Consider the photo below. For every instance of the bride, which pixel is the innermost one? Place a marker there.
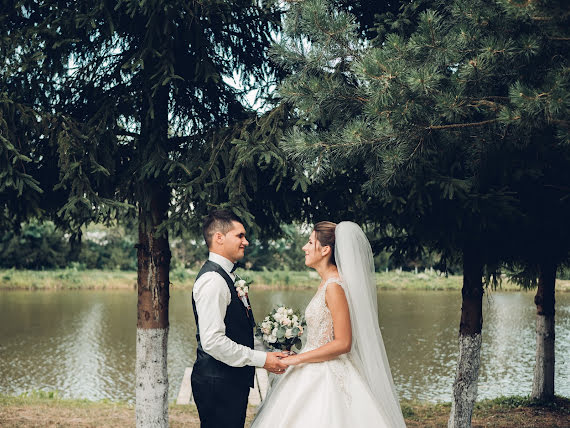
(341, 377)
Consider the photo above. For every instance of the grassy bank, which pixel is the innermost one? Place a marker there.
(66, 279)
(70, 279)
(504, 412)
(41, 410)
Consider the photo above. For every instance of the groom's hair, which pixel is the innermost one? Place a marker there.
(218, 221)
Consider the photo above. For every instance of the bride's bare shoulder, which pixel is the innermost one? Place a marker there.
(334, 292)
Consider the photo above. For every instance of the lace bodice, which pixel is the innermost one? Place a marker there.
(320, 331)
(319, 320)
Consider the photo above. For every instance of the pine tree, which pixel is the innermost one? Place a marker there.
(541, 180)
(435, 122)
(540, 97)
(120, 110)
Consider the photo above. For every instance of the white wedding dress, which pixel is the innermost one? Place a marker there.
(331, 394)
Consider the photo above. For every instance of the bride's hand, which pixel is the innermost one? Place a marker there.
(291, 360)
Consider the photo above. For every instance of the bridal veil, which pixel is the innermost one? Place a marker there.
(355, 263)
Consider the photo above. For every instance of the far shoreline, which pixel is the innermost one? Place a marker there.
(183, 279)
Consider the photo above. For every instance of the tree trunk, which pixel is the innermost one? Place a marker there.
(467, 374)
(74, 246)
(543, 381)
(153, 253)
(152, 315)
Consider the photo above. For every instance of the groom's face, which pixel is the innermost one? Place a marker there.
(235, 242)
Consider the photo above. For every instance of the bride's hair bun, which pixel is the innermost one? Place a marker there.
(324, 230)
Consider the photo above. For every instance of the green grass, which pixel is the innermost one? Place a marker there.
(66, 279)
(514, 411)
(53, 397)
(73, 279)
(561, 404)
(43, 409)
(48, 409)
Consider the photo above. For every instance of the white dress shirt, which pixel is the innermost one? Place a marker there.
(212, 297)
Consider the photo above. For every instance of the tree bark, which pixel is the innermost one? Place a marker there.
(152, 316)
(469, 360)
(543, 381)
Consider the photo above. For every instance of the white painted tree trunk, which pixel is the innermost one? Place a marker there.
(543, 382)
(151, 378)
(465, 385)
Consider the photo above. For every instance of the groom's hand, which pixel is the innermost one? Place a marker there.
(273, 362)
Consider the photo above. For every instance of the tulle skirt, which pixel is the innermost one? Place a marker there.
(330, 394)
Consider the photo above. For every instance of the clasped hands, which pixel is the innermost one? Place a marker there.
(277, 362)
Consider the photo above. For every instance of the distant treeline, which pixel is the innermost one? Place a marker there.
(40, 246)
(44, 246)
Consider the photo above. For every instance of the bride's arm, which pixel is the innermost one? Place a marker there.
(342, 342)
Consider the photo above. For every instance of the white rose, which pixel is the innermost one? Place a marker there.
(272, 339)
(265, 337)
(277, 317)
(289, 333)
(266, 330)
(290, 312)
(240, 283)
(286, 321)
(274, 332)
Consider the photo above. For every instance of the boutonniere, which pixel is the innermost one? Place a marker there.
(241, 288)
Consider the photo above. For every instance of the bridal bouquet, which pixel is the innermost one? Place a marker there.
(281, 329)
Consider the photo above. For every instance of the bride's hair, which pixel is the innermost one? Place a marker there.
(324, 230)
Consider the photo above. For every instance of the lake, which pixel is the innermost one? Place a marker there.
(82, 343)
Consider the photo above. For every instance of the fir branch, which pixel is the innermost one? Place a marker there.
(125, 133)
(564, 123)
(462, 125)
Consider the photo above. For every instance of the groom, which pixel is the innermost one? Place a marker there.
(225, 363)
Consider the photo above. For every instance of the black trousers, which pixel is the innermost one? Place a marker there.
(220, 403)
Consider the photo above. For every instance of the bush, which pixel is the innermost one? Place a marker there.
(36, 246)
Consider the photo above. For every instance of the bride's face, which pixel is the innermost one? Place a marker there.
(312, 251)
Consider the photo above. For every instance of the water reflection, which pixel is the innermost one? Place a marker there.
(419, 331)
(83, 343)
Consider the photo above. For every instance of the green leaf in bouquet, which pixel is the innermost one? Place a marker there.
(280, 333)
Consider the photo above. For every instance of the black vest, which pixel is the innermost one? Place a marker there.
(239, 328)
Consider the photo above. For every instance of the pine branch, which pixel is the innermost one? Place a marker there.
(462, 125)
(125, 133)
